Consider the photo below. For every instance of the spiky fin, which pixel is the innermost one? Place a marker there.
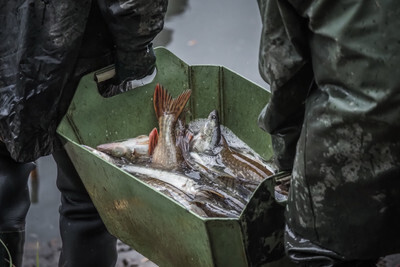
(165, 104)
(153, 140)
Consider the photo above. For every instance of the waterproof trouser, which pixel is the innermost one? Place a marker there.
(14, 205)
(306, 253)
(85, 239)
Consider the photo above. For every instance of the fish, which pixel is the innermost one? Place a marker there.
(166, 153)
(176, 194)
(209, 136)
(104, 156)
(208, 197)
(217, 177)
(209, 151)
(242, 166)
(178, 180)
(202, 138)
(214, 205)
(153, 139)
(131, 149)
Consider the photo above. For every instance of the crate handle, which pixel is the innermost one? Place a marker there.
(104, 74)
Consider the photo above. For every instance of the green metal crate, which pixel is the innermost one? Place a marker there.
(148, 221)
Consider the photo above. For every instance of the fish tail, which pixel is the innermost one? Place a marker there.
(165, 104)
(153, 140)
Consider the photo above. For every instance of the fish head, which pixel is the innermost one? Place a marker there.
(212, 129)
(101, 154)
(130, 148)
(115, 149)
(209, 135)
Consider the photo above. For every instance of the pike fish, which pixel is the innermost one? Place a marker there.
(166, 154)
(178, 180)
(208, 137)
(193, 195)
(131, 149)
(202, 199)
(214, 205)
(241, 165)
(176, 194)
(209, 150)
(106, 157)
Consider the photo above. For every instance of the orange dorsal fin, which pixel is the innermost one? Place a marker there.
(153, 140)
(165, 104)
(160, 98)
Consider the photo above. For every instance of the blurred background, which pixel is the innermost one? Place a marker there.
(223, 32)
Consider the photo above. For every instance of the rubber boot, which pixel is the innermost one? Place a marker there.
(14, 247)
(14, 205)
(85, 239)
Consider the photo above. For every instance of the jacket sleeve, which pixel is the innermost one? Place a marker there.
(285, 65)
(134, 24)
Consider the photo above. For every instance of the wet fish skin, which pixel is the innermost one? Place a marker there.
(241, 189)
(209, 151)
(176, 194)
(166, 153)
(216, 206)
(105, 156)
(204, 156)
(212, 177)
(241, 165)
(216, 176)
(130, 149)
(209, 135)
(180, 181)
(189, 187)
(229, 201)
(209, 140)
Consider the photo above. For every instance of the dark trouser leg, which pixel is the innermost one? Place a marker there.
(86, 241)
(14, 205)
(305, 253)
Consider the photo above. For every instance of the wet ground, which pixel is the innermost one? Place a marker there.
(223, 32)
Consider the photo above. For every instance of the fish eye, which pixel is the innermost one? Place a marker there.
(213, 117)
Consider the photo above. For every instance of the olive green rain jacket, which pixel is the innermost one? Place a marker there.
(334, 116)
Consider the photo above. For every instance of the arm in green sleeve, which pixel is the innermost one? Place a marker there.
(284, 64)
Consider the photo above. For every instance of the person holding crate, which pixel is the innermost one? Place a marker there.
(334, 118)
(46, 47)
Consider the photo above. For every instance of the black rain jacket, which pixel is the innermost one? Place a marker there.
(47, 45)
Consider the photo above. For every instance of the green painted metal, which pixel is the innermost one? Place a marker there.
(153, 224)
